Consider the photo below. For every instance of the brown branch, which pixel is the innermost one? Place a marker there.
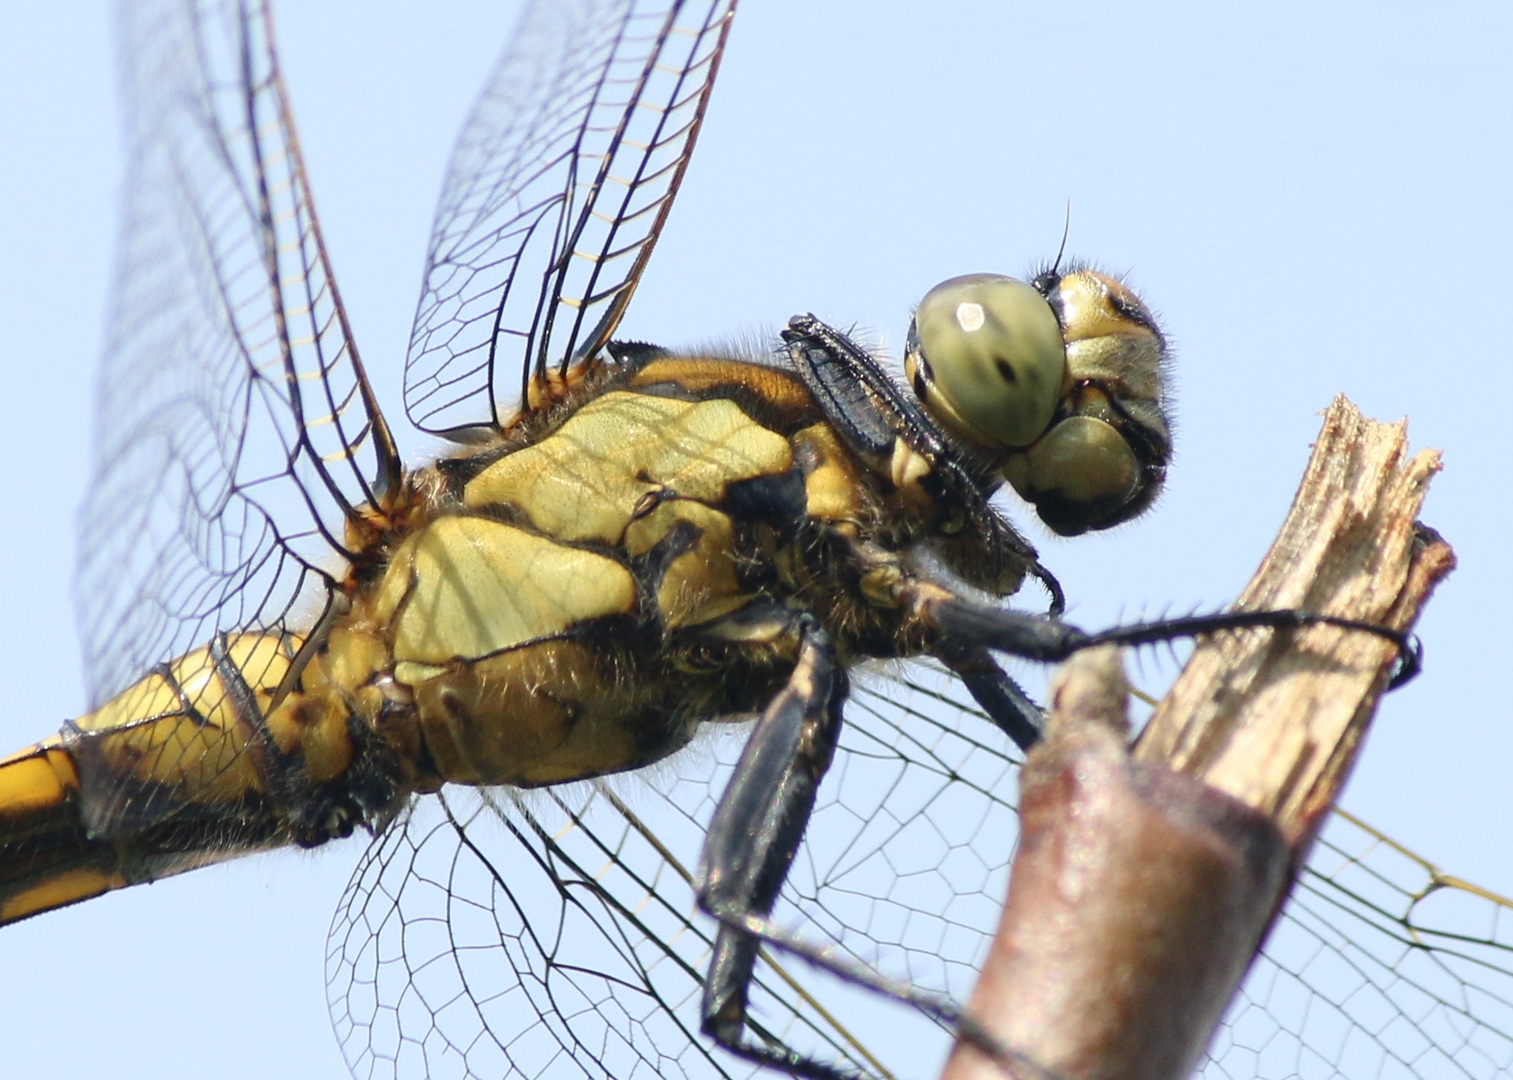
(1275, 719)
(1145, 880)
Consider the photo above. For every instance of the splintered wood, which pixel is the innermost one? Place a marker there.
(1145, 879)
(1274, 718)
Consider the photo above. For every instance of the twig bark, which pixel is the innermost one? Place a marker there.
(1275, 719)
(1145, 880)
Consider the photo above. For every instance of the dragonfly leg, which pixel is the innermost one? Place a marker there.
(1005, 702)
(758, 826)
(938, 1007)
(756, 831)
(965, 624)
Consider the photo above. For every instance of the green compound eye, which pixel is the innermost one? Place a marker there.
(986, 357)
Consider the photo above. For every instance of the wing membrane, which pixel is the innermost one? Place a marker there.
(556, 191)
(1382, 966)
(550, 935)
(235, 426)
(520, 938)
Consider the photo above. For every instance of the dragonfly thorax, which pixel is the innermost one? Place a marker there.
(591, 590)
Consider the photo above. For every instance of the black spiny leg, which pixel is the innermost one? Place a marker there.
(756, 831)
(1007, 705)
(966, 624)
(763, 814)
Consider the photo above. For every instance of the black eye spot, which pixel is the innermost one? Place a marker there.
(1006, 371)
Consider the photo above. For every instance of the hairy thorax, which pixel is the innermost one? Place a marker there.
(580, 597)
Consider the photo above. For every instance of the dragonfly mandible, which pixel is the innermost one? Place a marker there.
(541, 809)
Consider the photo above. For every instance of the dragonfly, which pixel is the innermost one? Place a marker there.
(427, 868)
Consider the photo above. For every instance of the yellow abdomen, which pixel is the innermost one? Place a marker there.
(188, 766)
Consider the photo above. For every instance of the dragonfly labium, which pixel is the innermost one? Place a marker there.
(290, 637)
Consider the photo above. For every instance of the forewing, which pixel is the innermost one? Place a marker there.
(1380, 965)
(234, 429)
(554, 936)
(556, 191)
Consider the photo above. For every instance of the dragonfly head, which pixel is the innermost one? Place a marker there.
(1059, 382)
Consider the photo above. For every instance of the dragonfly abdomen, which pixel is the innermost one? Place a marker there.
(46, 858)
(194, 764)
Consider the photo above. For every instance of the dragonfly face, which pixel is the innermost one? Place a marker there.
(1060, 383)
(389, 645)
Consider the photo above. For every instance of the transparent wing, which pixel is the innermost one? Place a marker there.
(557, 189)
(520, 938)
(235, 428)
(554, 935)
(1383, 966)
(472, 942)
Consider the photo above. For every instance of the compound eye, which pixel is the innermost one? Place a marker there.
(985, 356)
(1079, 477)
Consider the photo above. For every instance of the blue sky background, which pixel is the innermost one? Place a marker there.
(1316, 197)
